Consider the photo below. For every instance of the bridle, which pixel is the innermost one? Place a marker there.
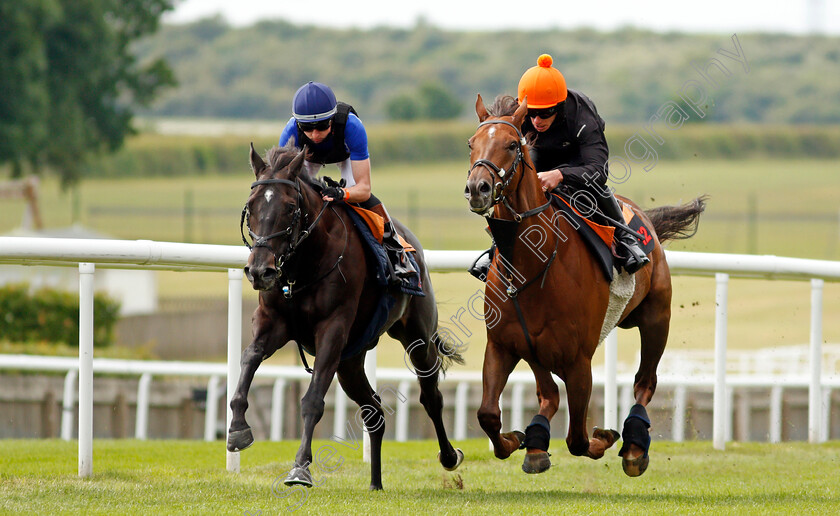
(505, 176)
(293, 231)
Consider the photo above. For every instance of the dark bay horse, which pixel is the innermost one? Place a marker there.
(552, 315)
(310, 266)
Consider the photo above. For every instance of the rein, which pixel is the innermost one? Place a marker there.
(506, 175)
(294, 227)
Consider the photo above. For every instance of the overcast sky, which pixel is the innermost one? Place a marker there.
(723, 16)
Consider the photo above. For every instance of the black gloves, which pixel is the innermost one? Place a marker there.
(336, 192)
(334, 189)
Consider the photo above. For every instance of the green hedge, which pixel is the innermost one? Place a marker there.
(53, 316)
(158, 155)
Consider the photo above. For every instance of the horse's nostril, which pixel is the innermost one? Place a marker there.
(248, 273)
(484, 188)
(467, 191)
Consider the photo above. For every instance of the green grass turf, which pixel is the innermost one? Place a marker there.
(177, 477)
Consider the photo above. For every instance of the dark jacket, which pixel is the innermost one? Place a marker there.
(575, 143)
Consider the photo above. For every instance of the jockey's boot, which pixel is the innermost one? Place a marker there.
(400, 263)
(401, 267)
(481, 266)
(634, 257)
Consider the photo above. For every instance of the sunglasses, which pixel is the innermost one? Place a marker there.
(322, 125)
(543, 113)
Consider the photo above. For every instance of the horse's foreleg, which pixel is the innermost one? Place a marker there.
(239, 434)
(498, 364)
(351, 376)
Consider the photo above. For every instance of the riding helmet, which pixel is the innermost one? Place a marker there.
(313, 102)
(543, 84)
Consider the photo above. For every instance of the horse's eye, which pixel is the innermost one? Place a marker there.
(512, 146)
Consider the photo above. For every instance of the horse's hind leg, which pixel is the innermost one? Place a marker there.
(498, 364)
(351, 376)
(424, 357)
(653, 329)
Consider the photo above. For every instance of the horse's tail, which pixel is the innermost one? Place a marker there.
(447, 352)
(677, 222)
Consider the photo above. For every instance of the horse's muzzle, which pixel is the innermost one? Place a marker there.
(261, 278)
(479, 194)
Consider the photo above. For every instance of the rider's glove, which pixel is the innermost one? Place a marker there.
(336, 192)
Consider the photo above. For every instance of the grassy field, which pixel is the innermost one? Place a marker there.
(178, 477)
(794, 201)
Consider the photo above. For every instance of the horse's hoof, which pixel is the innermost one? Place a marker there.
(238, 440)
(459, 458)
(375, 488)
(536, 462)
(635, 467)
(606, 435)
(299, 476)
(519, 436)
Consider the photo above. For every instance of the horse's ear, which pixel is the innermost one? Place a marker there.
(480, 110)
(521, 112)
(257, 163)
(296, 165)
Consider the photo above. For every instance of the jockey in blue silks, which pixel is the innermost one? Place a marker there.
(334, 134)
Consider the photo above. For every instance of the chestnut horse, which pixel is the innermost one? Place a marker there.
(553, 317)
(311, 268)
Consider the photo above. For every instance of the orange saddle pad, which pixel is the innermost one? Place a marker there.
(376, 224)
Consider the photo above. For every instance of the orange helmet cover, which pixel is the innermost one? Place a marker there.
(543, 84)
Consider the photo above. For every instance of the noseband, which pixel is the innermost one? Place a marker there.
(506, 175)
(293, 229)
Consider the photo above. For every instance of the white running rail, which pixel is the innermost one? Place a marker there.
(87, 254)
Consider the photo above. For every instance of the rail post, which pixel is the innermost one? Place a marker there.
(86, 271)
(370, 372)
(815, 405)
(233, 354)
(141, 423)
(211, 409)
(68, 405)
(720, 417)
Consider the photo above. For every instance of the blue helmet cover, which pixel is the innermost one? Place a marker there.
(313, 102)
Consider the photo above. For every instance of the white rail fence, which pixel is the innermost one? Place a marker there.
(87, 254)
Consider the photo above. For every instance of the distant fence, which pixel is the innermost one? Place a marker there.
(88, 254)
(674, 388)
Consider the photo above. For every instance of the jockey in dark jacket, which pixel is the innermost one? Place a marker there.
(569, 151)
(334, 134)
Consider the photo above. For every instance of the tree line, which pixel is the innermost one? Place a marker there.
(73, 74)
(390, 73)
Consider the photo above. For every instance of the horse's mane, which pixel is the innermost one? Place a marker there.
(503, 105)
(279, 158)
(506, 105)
